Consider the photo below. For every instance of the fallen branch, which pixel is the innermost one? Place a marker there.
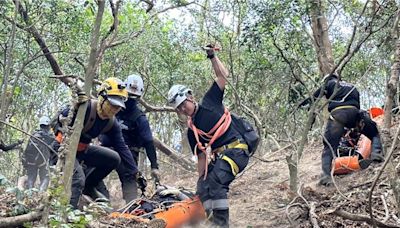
(313, 216)
(387, 215)
(19, 220)
(387, 159)
(361, 218)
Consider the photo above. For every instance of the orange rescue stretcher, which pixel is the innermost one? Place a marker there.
(188, 211)
(347, 164)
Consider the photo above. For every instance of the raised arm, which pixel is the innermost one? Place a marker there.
(220, 71)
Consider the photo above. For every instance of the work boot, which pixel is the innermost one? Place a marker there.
(325, 180)
(376, 150)
(129, 190)
(44, 184)
(220, 218)
(95, 195)
(364, 163)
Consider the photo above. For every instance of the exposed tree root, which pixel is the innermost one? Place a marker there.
(21, 219)
(362, 218)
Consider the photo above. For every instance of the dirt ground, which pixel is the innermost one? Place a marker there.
(260, 196)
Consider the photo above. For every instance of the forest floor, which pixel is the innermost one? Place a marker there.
(260, 196)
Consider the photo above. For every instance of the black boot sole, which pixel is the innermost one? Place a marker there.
(364, 163)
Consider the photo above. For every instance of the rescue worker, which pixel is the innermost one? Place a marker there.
(38, 156)
(100, 118)
(137, 135)
(344, 108)
(211, 134)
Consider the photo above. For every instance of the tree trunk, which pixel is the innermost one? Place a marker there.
(391, 90)
(78, 124)
(174, 155)
(323, 49)
(322, 44)
(5, 95)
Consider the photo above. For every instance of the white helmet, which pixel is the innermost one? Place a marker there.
(44, 120)
(134, 85)
(178, 94)
(330, 76)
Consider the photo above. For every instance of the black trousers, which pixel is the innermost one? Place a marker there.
(213, 191)
(127, 178)
(346, 117)
(32, 172)
(102, 159)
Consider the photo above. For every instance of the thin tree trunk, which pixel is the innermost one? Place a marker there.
(323, 48)
(173, 155)
(391, 90)
(6, 96)
(79, 119)
(322, 44)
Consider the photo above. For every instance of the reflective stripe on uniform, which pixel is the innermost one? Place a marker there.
(338, 108)
(234, 166)
(208, 204)
(220, 204)
(343, 107)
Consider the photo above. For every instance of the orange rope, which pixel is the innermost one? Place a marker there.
(217, 131)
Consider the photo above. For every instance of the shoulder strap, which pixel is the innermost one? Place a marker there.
(92, 116)
(109, 125)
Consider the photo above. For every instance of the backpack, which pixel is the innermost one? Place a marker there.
(37, 153)
(247, 131)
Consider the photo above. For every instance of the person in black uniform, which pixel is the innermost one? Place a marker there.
(228, 152)
(101, 160)
(344, 108)
(137, 135)
(38, 156)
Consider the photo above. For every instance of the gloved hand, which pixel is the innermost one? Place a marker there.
(82, 97)
(170, 191)
(142, 182)
(210, 50)
(305, 104)
(155, 173)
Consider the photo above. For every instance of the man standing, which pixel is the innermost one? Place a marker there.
(220, 148)
(39, 155)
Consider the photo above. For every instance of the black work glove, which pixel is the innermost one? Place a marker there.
(141, 180)
(305, 104)
(82, 97)
(210, 51)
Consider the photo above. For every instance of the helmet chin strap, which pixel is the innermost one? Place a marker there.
(101, 109)
(196, 107)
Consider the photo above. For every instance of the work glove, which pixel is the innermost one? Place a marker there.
(305, 104)
(210, 51)
(155, 173)
(82, 97)
(141, 180)
(170, 191)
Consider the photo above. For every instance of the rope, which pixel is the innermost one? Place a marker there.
(217, 131)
